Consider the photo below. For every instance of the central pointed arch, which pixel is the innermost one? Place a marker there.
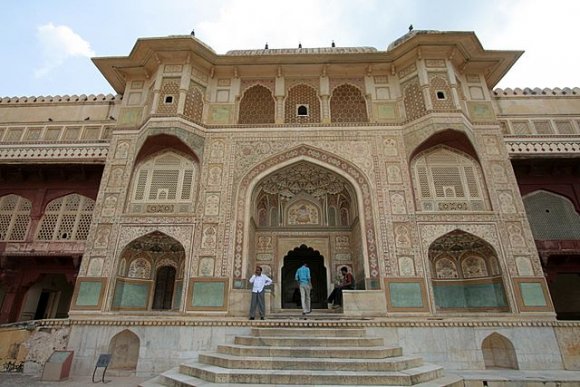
(344, 168)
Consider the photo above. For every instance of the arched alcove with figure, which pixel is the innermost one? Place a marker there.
(124, 348)
(499, 352)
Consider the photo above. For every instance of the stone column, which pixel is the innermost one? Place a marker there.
(453, 84)
(156, 87)
(424, 84)
(325, 99)
(183, 88)
(279, 94)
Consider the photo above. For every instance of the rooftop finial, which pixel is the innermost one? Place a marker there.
(410, 27)
(266, 46)
(299, 45)
(192, 32)
(332, 44)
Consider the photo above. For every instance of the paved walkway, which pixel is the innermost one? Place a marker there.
(504, 377)
(19, 380)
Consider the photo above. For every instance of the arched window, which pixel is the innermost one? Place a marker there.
(14, 217)
(163, 181)
(348, 104)
(66, 218)
(302, 110)
(448, 180)
(257, 106)
(552, 216)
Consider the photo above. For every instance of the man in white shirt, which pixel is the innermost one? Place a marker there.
(259, 281)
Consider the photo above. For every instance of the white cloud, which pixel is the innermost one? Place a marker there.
(250, 24)
(546, 31)
(59, 43)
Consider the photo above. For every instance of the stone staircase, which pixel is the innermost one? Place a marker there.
(306, 356)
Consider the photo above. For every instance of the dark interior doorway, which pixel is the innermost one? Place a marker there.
(290, 292)
(42, 308)
(564, 284)
(164, 283)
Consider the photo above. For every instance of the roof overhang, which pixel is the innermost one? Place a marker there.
(463, 49)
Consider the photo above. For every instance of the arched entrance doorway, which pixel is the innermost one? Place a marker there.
(307, 204)
(315, 261)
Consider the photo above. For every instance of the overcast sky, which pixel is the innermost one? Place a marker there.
(47, 45)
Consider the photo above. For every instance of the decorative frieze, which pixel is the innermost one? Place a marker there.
(530, 145)
(77, 153)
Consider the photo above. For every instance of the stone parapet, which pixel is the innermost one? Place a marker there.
(237, 322)
(81, 153)
(517, 92)
(528, 145)
(61, 99)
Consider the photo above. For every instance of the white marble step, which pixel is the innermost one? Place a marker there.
(309, 332)
(303, 341)
(378, 352)
(426, 372)
(398, 363)
(173, 378)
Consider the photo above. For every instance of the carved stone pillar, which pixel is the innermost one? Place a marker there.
(325, 111)
(279, 119)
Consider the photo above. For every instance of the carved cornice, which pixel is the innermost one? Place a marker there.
(61, 99)
(517, 92)
(377, 323)
(43, 248)
(80, 153)
(536, 145)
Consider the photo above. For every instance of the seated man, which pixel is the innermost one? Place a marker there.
(347, 282)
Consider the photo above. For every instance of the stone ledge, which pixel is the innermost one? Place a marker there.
(367, 323)
(62, 99)
(84, 153)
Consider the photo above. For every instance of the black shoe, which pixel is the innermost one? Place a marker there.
(261, 318)
(310, 311)
(251, 318)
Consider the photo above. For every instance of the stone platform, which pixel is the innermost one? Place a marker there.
(306, 356)
(457, 344)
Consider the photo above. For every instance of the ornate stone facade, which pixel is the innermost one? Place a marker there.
(396, 164)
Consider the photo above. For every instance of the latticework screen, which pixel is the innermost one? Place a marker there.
(14, 217)
(447, 180)
(161, 182)
(302, 95)
(66, 218)
(552, 217)
(348, 104)
(257, 106)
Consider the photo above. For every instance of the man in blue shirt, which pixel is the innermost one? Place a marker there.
(305, 282)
